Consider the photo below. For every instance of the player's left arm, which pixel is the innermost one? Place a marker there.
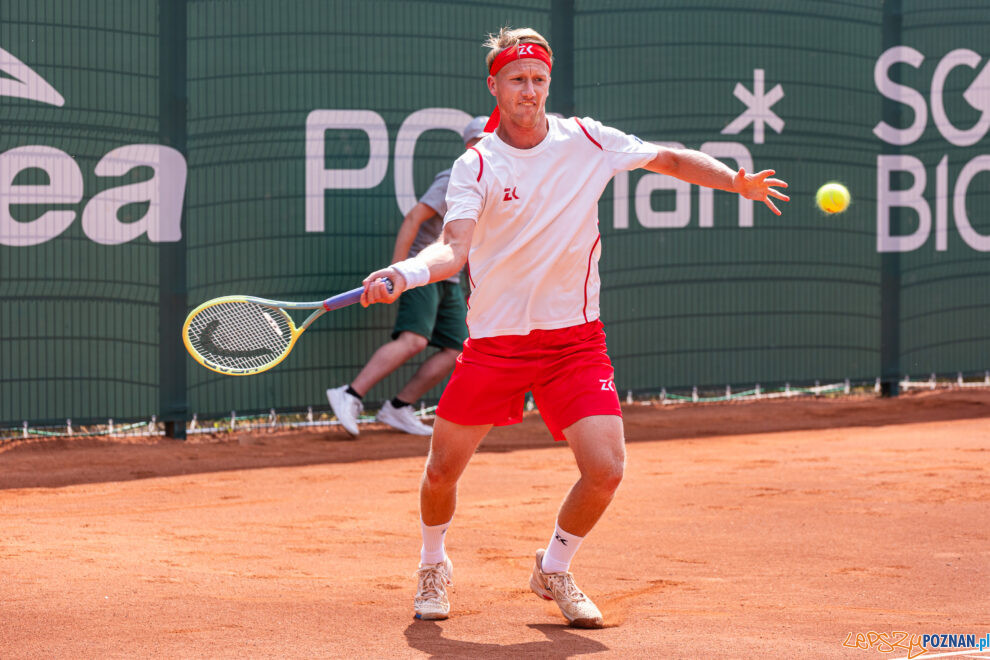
(701, 169)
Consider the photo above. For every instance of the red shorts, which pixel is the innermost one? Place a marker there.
(567, 370)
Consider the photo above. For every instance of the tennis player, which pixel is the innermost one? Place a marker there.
(522, 205)
(432, 315)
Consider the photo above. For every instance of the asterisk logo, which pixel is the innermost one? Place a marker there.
(758, 112)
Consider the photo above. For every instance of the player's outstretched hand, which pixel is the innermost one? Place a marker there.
(376, 291)
(760, 187)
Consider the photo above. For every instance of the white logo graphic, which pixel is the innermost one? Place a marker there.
(628, 206)
(101, 219)
(101, 223)
(525, 49)
(758, 112)
(25, 83)
(271, 322)
(947, 195)
(320, 178)
(977, 95)
(608, 385)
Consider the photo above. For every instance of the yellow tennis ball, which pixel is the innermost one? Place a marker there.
(833, 198)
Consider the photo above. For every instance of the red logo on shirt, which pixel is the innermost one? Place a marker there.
(510, 191)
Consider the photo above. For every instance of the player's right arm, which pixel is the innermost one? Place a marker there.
(445, 258)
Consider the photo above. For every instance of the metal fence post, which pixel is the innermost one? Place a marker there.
(890, 262)
(173, 404)
(562, 42)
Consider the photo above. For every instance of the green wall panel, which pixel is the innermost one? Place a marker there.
(80, 319)
(690, 296)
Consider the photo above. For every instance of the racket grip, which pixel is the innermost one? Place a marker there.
(351, 297)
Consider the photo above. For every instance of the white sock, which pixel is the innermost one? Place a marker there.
(560, 551)
(433, 551)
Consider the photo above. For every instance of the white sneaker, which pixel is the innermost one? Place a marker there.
(577, 608)
(403, 419)
(346, 407)
(431, 601)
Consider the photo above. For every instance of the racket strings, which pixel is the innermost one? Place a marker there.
(240, 335)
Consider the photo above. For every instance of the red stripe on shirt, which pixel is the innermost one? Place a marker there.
(481, 161)
(467, 299)
(470, 279)
(587, 134)
(587, 275)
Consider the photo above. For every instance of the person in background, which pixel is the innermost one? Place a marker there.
(428, 316)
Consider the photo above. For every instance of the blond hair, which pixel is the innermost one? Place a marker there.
(508, 37)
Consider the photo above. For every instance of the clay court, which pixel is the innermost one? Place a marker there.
(746, 530)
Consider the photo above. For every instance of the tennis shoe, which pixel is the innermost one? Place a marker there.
(431, 601)
(346, 407)
(403, 419)
(577, 608)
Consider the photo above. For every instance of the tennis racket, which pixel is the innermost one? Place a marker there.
(243, 335)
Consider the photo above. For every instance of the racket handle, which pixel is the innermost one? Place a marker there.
(351, 297)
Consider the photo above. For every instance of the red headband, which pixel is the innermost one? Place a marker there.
(517, 52)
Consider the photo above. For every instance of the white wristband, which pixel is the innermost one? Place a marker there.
(414, 270)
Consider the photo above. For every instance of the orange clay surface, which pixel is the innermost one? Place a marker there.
(770, 529)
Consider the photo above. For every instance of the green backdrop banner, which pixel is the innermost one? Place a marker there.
(157, 154)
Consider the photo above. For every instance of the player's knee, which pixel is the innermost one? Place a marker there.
(438, 475)
(412, 342)
(608, 471)
(613, 477)
(607, 476)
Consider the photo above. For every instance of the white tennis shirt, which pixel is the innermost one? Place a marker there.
(534, 254)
